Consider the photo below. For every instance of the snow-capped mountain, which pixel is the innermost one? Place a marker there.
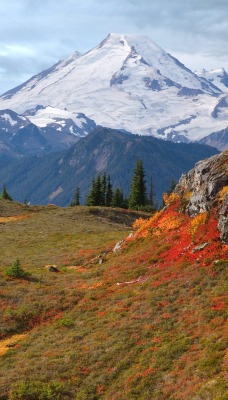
(41, 130)
(128, 82)
(11, 122)
(61, 120)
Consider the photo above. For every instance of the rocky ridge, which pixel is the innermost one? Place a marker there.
(205, 187)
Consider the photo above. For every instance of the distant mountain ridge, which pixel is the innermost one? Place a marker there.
(128, 82)
(53, 178)
(40, 130)
(217, 139)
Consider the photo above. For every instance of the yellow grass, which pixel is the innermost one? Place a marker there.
(6, 344)
(14, 218)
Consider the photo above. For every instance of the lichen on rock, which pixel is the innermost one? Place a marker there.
(223, 221)
(204, 182)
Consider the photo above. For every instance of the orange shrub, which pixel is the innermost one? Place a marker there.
(222, 194)
(196, 221)
(170, 222)
(170, 198)
(144, 225)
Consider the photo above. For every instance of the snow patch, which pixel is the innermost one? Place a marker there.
(8, 118)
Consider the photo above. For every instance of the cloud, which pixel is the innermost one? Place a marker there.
(37, 33)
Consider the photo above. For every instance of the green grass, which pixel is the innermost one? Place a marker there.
(54, 235)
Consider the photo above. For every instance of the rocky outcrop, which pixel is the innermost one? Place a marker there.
(201, 186)
(223, 221)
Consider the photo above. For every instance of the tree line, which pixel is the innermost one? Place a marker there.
(103, 194)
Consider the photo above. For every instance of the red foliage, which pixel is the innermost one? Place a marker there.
(166, 315)
(182, 235)
(156, 340)
(219, 303)
(100, 389)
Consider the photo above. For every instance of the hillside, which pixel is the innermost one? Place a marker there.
(53, 233)
(54, 178)
(146, 321)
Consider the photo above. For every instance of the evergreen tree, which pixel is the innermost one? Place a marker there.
(103, 190)
(90, 201)
(76, 198)
(109, 193)
(102, 194)
(118, 199)
(125, 203)
(16, 271)
(96, 195)
(99, 195)
(5, 195)
(138, 197)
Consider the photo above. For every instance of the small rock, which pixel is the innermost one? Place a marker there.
(117, 246)
(200, 247)
(52, 268)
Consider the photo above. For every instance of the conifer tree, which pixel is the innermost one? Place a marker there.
(99, 197)
(103, 190)
(16, 271)
(76, 198)
(118, 199)
(138, 197)
(5, 195)
(96, 194)
(109, 193)
(90, 201)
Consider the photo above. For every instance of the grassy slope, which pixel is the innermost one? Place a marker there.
(147, 323)
(44, 235)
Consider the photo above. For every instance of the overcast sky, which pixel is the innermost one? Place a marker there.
(35, 34)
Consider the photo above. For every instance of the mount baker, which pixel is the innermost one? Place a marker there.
(128, 82)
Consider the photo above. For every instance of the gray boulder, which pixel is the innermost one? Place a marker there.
(201, 186)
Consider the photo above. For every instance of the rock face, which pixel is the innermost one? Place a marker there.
(201, 187)
(223, 221)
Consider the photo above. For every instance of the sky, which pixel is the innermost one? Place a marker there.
(35, 34)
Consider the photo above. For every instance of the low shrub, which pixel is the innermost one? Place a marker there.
(38, 391)
(16, 271)
(66, 322)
